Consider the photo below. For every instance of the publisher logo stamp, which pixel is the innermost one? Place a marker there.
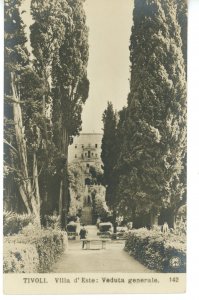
(175, 262)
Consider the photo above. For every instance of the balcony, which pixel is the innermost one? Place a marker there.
(91, 148)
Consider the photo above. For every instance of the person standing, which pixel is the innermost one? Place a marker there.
(83, 233)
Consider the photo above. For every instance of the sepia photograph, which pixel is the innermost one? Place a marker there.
(95, 146)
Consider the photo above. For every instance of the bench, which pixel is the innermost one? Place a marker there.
(88, 242)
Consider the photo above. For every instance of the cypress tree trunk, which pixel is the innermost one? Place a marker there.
(45, 188)
(64, 186)
(24, 182)
(36, 200)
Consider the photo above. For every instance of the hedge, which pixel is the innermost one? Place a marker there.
(157, 251)
(48, 245)
(20, 258)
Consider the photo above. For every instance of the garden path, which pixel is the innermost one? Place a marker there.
(111, 259)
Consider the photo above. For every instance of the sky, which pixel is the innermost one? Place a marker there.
(109, 23)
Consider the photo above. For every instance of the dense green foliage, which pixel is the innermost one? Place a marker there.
(70, 90)
(16, 54)
(20, 258)
(144, 145)
(151, 162)
(44, 94)
(96, 173)
(13, 223)
(100, 208)
(14, 61)
(109, 155)
(49, 244)
(155, 249)
(109, 147)
(46, 36)
(99, 205)
(182, 13)
(52, 221)
(69, 75)
(21, 133)
(76, 175)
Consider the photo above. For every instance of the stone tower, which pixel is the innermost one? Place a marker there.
(86, 149)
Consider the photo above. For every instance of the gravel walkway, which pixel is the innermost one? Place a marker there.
(111, 259)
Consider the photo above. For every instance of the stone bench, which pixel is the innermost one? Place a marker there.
(88, 242)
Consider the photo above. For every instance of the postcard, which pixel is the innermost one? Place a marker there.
(95, 146)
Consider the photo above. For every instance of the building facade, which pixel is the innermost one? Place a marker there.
(86, 149)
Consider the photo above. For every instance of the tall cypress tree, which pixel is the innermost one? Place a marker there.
(15, 59)
(51, 20)
(21, 141)
(151, 160)
(109, 156)
(70, 91)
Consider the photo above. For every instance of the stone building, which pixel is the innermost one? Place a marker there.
(86, 149)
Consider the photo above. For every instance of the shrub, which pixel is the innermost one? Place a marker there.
(52, 221)
(49, 244)
(20, 258)
(175, 249)
(104, 227)
(71, 227)
(13, 223)
(105, 230)
(163, 253)
(99, 205)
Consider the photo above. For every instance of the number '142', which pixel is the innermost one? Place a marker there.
(174, 279)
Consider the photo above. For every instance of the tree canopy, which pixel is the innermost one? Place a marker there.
(44, 95)
(109, 153)
(151, 161)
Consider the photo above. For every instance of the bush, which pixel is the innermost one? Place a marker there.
(163, 253)
(105, 230)
(174, 249)
(104, 227)
(52, 221)
(20, 258)
(49, 244)
(71, 227)
(100, 208)
(13, 223)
